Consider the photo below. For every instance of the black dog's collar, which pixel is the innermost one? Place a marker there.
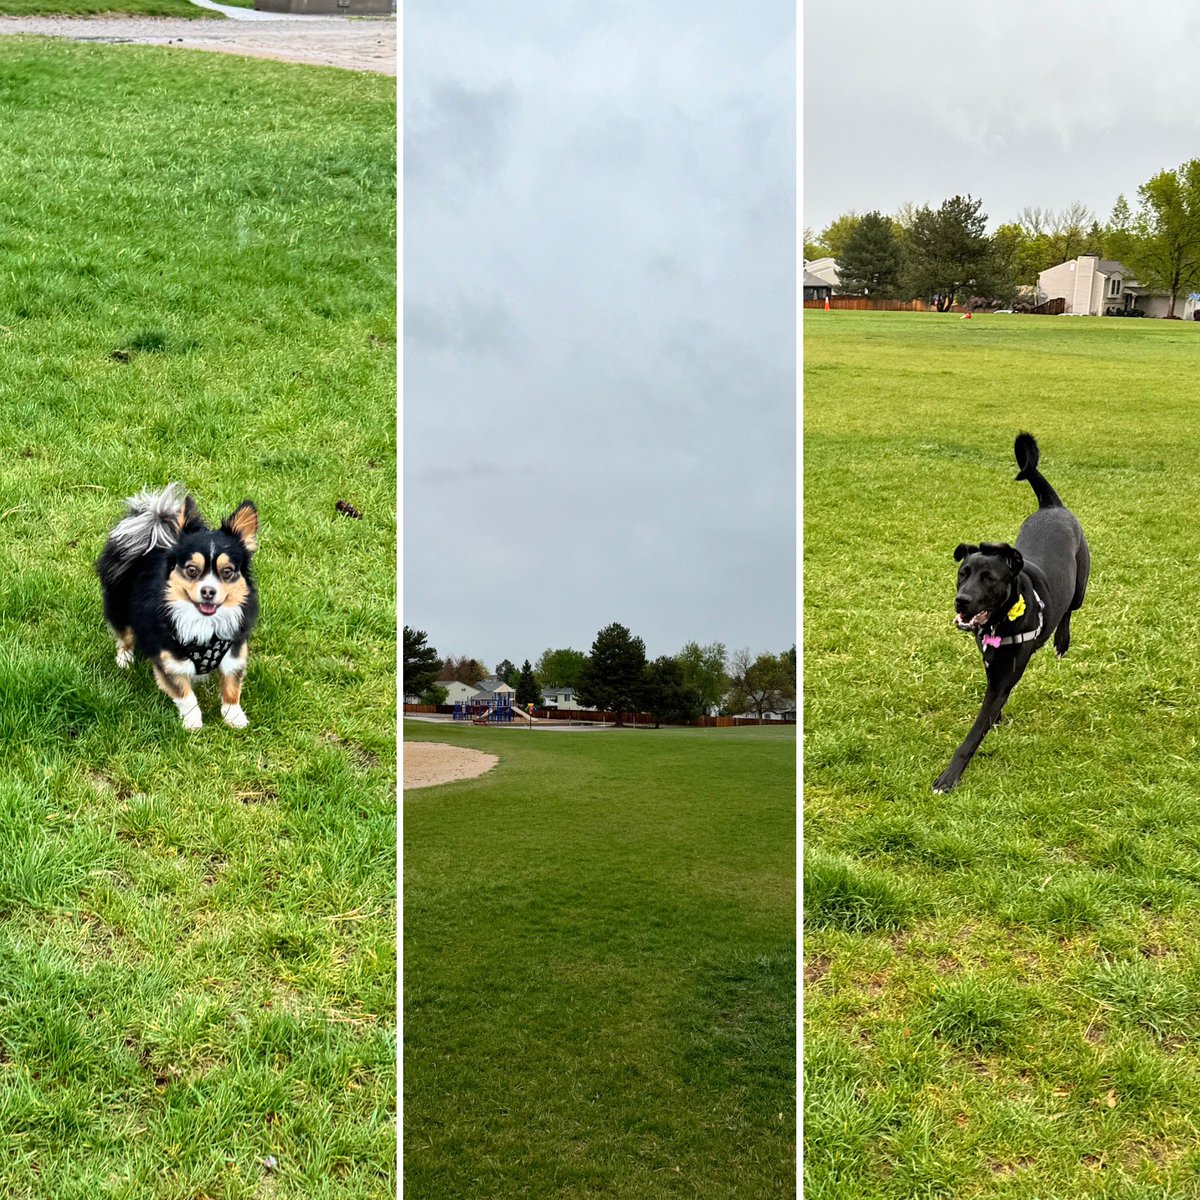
(205, 657)
(991, 641)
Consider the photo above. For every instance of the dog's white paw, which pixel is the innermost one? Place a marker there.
(189, 713)
(124, 657)
(234, 717)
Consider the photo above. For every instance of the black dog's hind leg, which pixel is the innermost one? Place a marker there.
(1001, 680)
(1062, 635)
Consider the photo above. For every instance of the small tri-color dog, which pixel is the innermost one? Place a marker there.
(181, 594)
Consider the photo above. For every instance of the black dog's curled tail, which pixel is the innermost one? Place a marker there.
(1026, 450)
(152, 519)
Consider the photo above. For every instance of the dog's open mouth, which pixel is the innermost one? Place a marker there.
(206, 609)
(979, 620)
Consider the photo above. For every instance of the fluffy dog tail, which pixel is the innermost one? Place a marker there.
(1026, 450)
(152, 519)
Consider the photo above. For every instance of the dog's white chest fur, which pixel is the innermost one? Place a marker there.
(193, 628)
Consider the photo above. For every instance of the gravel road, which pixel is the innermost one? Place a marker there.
(353, 43)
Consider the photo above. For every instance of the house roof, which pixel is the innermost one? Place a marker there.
(811, 280)
(1110, 266)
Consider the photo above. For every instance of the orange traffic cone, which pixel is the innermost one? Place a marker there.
(826, 303)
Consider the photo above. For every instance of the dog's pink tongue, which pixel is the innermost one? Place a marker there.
(208, 609)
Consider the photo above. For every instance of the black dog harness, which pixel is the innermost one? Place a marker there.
(990, 641)
(205, 657)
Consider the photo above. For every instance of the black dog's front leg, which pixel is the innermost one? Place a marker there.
(1001, 679)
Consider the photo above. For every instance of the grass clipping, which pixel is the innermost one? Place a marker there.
(427, 764)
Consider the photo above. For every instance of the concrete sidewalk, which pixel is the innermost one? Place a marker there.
(352, 43)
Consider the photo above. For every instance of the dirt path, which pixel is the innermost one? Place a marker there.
(354, 44)
(429, 763)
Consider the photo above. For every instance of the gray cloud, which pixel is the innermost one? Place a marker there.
(1021, 104)
(628, 367)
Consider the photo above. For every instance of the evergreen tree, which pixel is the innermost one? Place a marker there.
(434, 694)
(421, 663)
(871, 262)
(947, 255)
(612, 679)
(667, 694)
(508, 672)
(528, 691)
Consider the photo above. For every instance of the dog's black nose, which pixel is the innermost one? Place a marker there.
(961, 603)
(208, 593)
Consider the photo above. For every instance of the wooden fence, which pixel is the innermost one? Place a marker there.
(1051, 308)
(581, 715)
(866, 304)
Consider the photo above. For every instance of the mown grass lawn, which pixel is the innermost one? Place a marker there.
(599, 967)
(197, 966)
(1002, 984)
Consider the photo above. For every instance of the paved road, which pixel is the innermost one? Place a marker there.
(353, 43)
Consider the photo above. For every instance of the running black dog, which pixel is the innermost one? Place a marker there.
(1012, 597)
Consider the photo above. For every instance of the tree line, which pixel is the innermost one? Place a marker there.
(616, 676)
(945, 255)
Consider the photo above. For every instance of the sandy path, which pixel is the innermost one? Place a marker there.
(355, 44)
(430, 763)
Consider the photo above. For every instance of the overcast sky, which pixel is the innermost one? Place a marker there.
(599, 407)
(1022, 103)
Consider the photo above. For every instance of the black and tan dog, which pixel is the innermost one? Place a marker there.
(1012, 598)
(181, 594)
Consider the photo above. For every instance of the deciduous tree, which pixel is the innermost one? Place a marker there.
(762, 684)
(560, 668)
(1160, 243)
(835, 235)
(703, 669)
(466, 670)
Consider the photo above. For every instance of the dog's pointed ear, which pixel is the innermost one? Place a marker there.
(188, 516)
(1010, 554)
(242, 523)
(962, 550)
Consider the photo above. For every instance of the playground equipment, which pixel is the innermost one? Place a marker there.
(483, 712)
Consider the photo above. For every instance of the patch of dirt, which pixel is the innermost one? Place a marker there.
(427, 764)
(817, 969)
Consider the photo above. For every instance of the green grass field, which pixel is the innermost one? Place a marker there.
(599, 967)
(197, 965)
(1002, 984)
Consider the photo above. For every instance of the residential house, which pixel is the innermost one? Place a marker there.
(1103, 287)
(492, 688)
(457, 692)
(824, 269)
(815, 288)
(563, 697)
